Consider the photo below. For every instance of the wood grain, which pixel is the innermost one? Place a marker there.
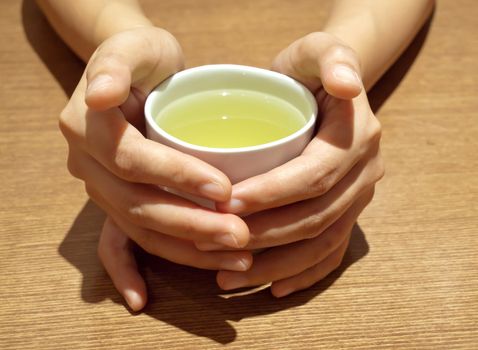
(410, 278)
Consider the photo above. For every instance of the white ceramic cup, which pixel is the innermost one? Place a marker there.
(244, 162)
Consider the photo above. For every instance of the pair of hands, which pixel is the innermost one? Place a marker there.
(303, 210)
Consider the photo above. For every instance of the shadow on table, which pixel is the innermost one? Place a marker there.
(62, 63)
(184, 297)
(389, 82)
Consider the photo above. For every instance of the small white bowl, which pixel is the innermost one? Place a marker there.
(244, 162)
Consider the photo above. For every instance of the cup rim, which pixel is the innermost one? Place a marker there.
(235, 68)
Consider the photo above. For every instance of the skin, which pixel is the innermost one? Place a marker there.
(303, 211)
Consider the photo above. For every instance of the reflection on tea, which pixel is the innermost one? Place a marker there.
(230, 118)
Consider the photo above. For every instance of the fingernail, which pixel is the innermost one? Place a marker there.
(227, 239)
(212, 190)
(100, 82)
(133, 299)
(236, 281)
(236, 205)
(282, 292)
(346, 75)
(235, 264)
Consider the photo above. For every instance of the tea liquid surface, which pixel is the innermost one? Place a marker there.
(230, 118)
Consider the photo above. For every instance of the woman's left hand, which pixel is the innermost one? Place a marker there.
(304, 210)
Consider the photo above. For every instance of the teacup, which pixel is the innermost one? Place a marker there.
(237, 163)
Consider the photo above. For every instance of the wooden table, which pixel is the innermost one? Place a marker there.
(410, 277)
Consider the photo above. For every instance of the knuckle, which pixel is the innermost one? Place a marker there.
(178, 173)
(308, 228)
(372, 151)
(64, 123)
(124, 163)
(175, 50)
(374, 131)
(309, 233)
(339, 52)
(377, 170)
(313, 226)
(321, 180)
(105, 59)
(380, 172)
(369, 195)
(328, 243)
(320, 186)
(73, 166)
(311, 39)
(135, 209)
(300, 52)
(188, 228)
(106, 54)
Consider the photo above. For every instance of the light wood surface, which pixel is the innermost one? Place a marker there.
(410, 278)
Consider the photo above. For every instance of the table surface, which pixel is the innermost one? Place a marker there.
(410, 277)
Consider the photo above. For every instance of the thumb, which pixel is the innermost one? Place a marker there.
(139, 58)
(320, 59)
(108, 82)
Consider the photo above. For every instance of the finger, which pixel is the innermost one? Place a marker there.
(320, 59)
(124, 151)
(282, 262)
(115, 253)
(290, 260)
(308, 219)
(151, 56)
(310, 276)
(347, 132)
(184, 252)
(149, 207)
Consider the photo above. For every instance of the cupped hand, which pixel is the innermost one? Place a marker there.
(123, 171)
(304, 210)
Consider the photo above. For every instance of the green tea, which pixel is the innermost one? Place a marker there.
(230, 118)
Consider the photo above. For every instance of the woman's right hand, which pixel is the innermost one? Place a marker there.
(104, 125)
